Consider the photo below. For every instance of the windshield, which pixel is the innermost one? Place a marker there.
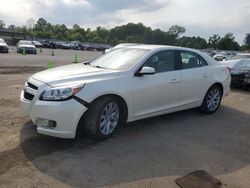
(119, 59)
(241, 57)
(1, 41)
(25, 42)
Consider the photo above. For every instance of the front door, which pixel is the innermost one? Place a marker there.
(160, 91)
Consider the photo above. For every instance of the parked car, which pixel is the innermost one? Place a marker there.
(88, 46)
(240, 69)
(124, 85)
(62, 45)
(25, 46)
(48, 44)
(241, 56)
(77, 45)
(37, 44)
(222, 56)
(3, 46)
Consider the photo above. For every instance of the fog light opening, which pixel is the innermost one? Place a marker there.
(47, 123)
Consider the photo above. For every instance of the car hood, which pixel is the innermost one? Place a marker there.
(75, 73)
(26, 46)
(3, 44)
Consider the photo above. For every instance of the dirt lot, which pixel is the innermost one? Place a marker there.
(148, 153)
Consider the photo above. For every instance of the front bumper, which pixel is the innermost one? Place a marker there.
(27, 50)
(66, 114)
(4, 49)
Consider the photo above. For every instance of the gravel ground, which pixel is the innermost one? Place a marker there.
(147, 153)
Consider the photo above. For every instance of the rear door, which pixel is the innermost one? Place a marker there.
(195, 76)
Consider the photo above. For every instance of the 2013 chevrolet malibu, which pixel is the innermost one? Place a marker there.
(124, 85)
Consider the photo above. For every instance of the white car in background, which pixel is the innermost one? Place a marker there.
(37, 44)
(241, 56)
(3, 46)
(124, 85)
(222, 56)
(27, 47)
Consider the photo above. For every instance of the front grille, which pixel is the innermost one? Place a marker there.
(2, 48)
(32, 86)
(30, 49)
(28, 96)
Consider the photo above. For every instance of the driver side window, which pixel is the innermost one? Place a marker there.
(162, 61)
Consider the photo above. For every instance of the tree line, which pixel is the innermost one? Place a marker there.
(131, 32)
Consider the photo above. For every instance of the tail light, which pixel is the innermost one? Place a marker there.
(229, 69)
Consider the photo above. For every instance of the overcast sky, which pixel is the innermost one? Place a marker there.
(200, 17)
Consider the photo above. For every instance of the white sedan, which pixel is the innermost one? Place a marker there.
(124, 85)
(25, 46)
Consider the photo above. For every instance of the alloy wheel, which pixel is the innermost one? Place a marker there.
(109, 118)
(213, 99)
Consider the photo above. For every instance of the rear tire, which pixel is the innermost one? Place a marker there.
(103, 118)
(212, 100)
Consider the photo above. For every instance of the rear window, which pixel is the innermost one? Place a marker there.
(191, 60)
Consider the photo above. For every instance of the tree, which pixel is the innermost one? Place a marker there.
(147, 36)
(245, 47)
(228, 43)
(192, 42)
(176, 30)
(12, 27)
(158, 36)
(212, 41)
(76, 27)
(102, 32)
(75, 36)
(41, 25)
(131, 32)
(2, 24)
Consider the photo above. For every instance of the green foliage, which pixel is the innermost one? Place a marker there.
(2, 24)
(131, 32)
(245, 47)
(176, 30)
(192, 42)
(228, 43)
(212, 41)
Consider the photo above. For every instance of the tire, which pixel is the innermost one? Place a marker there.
(212, 100)
(100, 125)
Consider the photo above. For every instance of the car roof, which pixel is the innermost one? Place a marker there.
(24, 41)
(159, 47)
(162, 47)
(156, 48)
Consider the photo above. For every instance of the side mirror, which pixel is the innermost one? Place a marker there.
(86, 62)
(146, 70)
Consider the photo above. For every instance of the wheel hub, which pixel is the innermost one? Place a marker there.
(109, 118)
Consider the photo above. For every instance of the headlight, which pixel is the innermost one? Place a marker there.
(60, 93)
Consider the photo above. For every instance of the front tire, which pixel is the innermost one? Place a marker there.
(212, 100)
(103, 118)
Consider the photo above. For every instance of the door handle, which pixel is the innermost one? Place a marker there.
(205, 75)
(174, 80)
